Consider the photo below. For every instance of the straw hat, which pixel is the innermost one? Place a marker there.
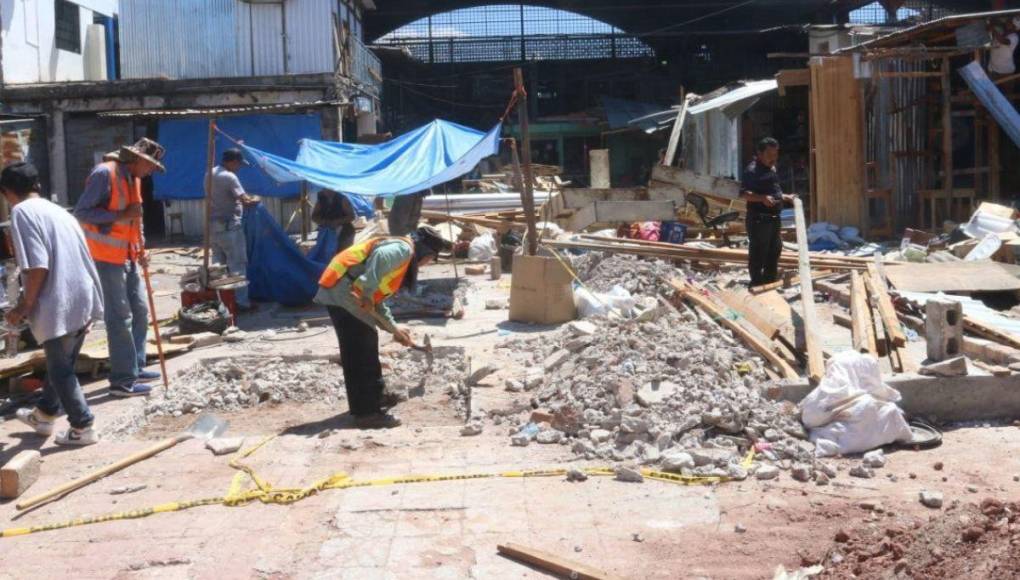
(146, 149)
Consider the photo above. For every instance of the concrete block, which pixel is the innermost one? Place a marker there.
(954, 367)
(556, 359)
(19, 473)
(943, 328)
(224, 445)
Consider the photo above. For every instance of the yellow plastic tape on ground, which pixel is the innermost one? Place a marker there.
(264, 491)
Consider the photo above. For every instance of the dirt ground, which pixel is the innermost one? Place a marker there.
(450, 529)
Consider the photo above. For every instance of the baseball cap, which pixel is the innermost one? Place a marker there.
(234, 155)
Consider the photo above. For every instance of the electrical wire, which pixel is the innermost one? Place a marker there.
(693, 20)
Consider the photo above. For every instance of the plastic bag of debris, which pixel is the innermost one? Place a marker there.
(852, 410)
(211, 316)
(483, 248)
(618, 300)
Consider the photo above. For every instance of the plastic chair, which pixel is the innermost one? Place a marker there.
(700, 205)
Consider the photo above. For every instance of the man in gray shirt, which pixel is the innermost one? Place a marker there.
(227, 199)
(61, 298)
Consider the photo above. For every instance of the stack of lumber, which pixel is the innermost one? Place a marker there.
(689, 253)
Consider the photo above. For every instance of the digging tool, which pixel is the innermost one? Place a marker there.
(155, 326)
(385, 325)
(205, 427)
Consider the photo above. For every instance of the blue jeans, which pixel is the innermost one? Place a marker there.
(230, 249)
(61, 389)
(127, 320)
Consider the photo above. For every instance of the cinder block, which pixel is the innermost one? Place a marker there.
(19, 474)
(943, 328)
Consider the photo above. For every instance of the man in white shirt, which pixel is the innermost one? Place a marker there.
(61, 297)
(1004, 43)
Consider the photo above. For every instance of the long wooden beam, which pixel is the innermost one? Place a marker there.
(695, 296)
(552, 563)
(886, 309)
(816, 362)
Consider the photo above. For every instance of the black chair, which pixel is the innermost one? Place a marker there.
(700, 205)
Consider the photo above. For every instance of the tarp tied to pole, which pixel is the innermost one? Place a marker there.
(416, 161)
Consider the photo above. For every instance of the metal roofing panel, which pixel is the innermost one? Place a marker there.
(309, 36)
(749, 90)
(905, 35)
(222, 111)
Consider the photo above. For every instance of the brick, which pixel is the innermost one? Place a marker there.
(19, 473)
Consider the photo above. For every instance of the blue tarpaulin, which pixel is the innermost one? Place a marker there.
(277, 269)
(991, 97)
(185, 142)
(413, 162)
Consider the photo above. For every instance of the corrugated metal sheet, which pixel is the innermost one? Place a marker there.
(749, 90)
(179, 39)
(184, 39)
(222, 111)
(310, 36)
(193, 214)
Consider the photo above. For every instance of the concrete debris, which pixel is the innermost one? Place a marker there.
(954, 367)
(127, 489)
(234, 337)
(766, 471)
(739, 528)
(801, 472)
(629, 475)
(661, 391)
(471, 429)
(520, 440)
(821, 478)
(18, 474)
(862, 472)
(513, 386)
(549, 436)
(481, 374)
(874, 459)
(496, 304)
(931, 499)
(205, 339)
(224, 445)
(601, 272)
(574, 475)
(637, 537)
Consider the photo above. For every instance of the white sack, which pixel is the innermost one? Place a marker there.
(483, 248)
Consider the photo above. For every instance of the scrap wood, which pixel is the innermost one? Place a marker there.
(844, 320)
(552, 563)
(886, 309)
(985, 331)
(817, 275)
(958, 277)
(816, 360)
(863, 328)
(695, 295)
(501, 225)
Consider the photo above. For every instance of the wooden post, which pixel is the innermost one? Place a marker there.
(305, 226)
(210, 159)
(994, 168)
(527, 192)
(816, 361)
(947, 145)
(861, 320)
(674, 137)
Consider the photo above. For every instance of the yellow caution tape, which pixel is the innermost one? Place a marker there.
(264, 492)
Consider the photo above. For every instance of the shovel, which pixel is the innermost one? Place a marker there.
(205, 427)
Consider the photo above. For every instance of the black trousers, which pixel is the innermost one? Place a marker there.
(359, 357)
(764, 249)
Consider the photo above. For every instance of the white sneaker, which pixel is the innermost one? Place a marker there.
(81, 437)
(36, 419)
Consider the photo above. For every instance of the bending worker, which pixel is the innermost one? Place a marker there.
(357, 281)
(333, 210)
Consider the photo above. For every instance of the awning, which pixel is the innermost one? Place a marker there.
(749, 90)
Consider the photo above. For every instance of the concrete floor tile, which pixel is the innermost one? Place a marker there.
(354, 552)
(428, 522)
(365, 524)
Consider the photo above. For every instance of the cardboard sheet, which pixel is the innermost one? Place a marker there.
(955, 277)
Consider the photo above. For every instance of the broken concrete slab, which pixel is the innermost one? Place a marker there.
(655, 393)
(556, 359)
(480, 374)
(224, 445)
(581, 328)
(931, 499)
(629, 475)
(954, 367)
(18, 474)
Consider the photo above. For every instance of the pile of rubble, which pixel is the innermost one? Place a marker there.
(601, 271)
(232, 384)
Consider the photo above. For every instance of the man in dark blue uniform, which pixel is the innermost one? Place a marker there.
(759, 186)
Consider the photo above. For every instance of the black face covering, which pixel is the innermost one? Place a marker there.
(411, 277)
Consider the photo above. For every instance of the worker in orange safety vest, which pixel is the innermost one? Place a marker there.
(110, 213)
(357, 281)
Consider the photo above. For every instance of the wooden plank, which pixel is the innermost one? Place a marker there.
(793, 282)
(697, 182)
(860, 312)
(745, 304)
(991, 333)
(552, 563)
(792, 77)
(674, 135)
(958, 277)
(577, 198)
(500, 225)
(695, 295)
(886, 309)
(816, 362)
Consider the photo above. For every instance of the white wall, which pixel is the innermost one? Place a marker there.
(29, 54)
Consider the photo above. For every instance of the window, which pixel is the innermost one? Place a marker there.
(68, 27)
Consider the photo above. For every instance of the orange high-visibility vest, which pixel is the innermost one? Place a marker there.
(357, 254)
(122, 240)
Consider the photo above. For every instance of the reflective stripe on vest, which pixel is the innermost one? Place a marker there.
(118, 244)
(358, 254)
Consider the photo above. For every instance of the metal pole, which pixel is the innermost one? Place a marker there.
(304, 211)
(527, 192)
(210, 159)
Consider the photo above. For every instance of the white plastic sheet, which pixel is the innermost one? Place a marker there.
(852, 410)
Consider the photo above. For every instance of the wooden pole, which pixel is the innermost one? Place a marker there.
(209, 161)
(674, 136)
(862, 324)
(947, 145)
(527, 193)
(304, 211)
